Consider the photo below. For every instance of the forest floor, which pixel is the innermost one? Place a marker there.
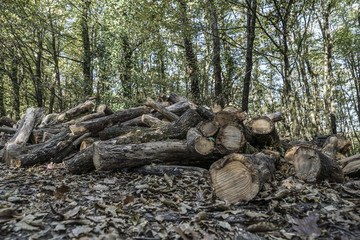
(47, 202)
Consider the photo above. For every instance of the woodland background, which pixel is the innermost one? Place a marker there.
(298, 57)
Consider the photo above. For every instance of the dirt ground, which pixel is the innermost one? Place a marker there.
(47, 202)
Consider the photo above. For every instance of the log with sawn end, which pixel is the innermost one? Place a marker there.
(76, 111)
(198, 143)
(158, 107)
(240, 177)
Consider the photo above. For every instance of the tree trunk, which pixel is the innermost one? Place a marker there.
(220, 98)
(2, 89)
(7, 121)
(237, 177)
(15, 82)
(88, 81)
(38, 85)
(193, 70)
(99, 124)
(250, 33)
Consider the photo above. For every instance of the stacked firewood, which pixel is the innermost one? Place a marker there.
(241, 153)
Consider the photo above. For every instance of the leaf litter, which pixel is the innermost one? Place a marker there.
(49, 203)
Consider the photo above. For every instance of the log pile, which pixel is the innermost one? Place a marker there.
(241, 154)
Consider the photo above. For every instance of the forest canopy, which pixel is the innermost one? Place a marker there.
(298, 57)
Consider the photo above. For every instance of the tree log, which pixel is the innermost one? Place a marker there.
(205, 113)
(8, 130)
(38, 134)
(173, 170)
(230, 139)
(99, 124)
(150, 121)
(87, 117)
(228, 115)
(43, 154)
(108, 155)
(87, 142)
(158, 107)
(118, 130)
(103, 108)
(197, 143)
(238, 177)
(261, 132)
(312, 165)
(343, 146)
(275, 117)
(49, 119)
(82, 162)
(26, 126)
(351, 165)
(175, 130)
(5, 121)
(209, 128)
(76, 111)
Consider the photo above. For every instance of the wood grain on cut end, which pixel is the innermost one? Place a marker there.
(235, 181)
(262, 125)
(307, 164)
(230, 139)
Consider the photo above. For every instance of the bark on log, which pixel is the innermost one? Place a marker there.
(76, 111)
(230, 139)
(82, 162)
(108, 155)
(87, 117)
(103, 108)
(9, 130)
(351, 165)
(27, 124)
(87, 142)
(158, 107)
(209, 128)
(49, 119)
(275, 117)
(199, 144)
(99, 124)
(173, 170)
(227, 116)
(205, 113)
(153, 122)
(261, 132)
(239, 177)
(312, 165)
(174, 98)
(344, 145)
(5, 121)
(175, 130)
(135, 122)
(38, 134)
(118, 130)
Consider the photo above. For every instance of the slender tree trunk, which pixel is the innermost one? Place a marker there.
(15, 83)
(250, 30)
(328, 73)
(56, 82)
(2, 89)
(127, 67)
(192, 63)
(38, 76)
(88, 81)
(219, 93)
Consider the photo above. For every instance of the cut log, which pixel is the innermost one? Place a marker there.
(351, 165)
(209, 128)
(238, 177)
(133, 122)
(43, 154)
(173, 170)
(261, 132)
(174, 98)
(9, 130)
(117, 130)
(153, 122)
(108, 155)
(344, 145)
(49, 119)
(26, 126)
(87, 117)
(158, 107)
(199, 144)
(99, 124)
(205, 113)
(216, 109)
(311, 165)
(87, 142)
(5, 121)
(331, 147)
(227, 116)
(230, 139)
(82, 162)
(37, 135)
(175, 130)
(76, 111)
(275, 117)
(103, 108)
